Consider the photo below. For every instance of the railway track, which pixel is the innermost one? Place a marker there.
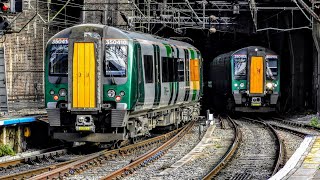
(231, 150)
(259, 154)
(150, 156)
(152, 152)
(44, 154)
(291, 142)
(292, 135)
(294, 127)
(167, 167)
(79, 165)
(31, 165)
(32, 162)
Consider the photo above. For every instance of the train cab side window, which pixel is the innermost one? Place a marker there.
(116, 58)
(58, 62)
(148, 68)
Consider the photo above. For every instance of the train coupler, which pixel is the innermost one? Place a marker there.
(85, 123)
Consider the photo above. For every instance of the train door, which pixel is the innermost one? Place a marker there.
(194, 75)
(84, 75)
(187, 74)
(181, 75)
(157, 74)
(84, 83)
(140, 79)
(256, 75)
(172, 66)
(164, 70)
(148, 75)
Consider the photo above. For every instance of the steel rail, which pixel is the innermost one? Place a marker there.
(280, 151)
(296, 124)
(230, 152)
(292, 131)
(45, 153)
(222, 123)
(76, 166)
(149, 157)
(33, 172)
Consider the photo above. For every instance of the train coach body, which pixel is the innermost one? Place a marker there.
(247, 80)
(104, 84)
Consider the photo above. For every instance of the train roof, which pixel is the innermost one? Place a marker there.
(254, 47)
(123, 34)
(245, 48)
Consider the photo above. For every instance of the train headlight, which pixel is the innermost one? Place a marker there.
(62, 92)
(275, 85)
(269, 85)
(241, 85)
(52, 92)
(235, 85)
(111, 93)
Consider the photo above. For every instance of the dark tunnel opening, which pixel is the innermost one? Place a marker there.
(294, 46)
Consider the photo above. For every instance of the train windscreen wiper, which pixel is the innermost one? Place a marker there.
(113, 82)
(58, 80)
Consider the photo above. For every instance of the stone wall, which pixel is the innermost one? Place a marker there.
(24, 50)
(106, 12)
(24, 54)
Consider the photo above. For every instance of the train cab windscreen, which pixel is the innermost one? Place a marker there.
(58, 64)
(116, 59)
(240, 67)
(272, 68)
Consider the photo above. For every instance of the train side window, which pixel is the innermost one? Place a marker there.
(171, 68)
(180, 69)
(187, 69)
(139, 63)
(148, 68)
(165, 69)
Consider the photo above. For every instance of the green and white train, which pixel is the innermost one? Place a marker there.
(104, 84)
(246, 80)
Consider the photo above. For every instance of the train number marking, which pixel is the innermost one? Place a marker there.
(116, 41)
(60, 41)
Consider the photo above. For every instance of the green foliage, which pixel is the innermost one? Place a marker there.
(315, 122)
(6, 150)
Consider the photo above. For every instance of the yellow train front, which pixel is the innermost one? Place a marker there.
(246, 80)
(104, 84)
